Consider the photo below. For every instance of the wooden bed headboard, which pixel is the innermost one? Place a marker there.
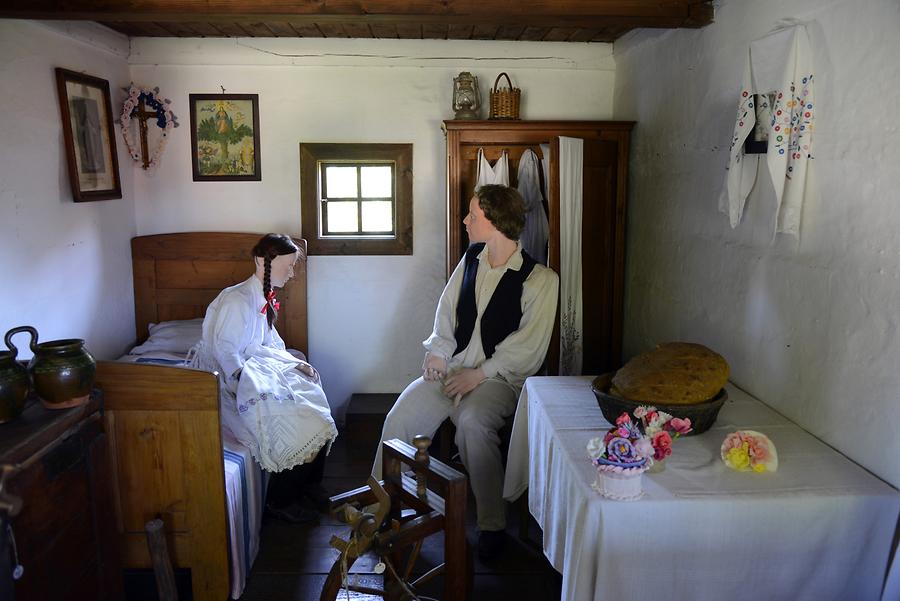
(176, 276)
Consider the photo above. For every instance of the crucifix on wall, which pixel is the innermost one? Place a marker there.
(143, 105)
(143, 115)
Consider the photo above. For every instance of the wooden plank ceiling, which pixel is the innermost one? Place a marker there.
(531, 20)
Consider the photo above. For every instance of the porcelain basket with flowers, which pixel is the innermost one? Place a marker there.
(630, 447)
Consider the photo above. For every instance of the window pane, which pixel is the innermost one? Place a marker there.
(376, 182)
(342, 217)
(340, 182)
(377, 216)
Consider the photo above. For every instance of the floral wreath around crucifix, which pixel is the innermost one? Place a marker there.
(145, 104)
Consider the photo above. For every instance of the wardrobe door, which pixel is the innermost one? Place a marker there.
(602, 247)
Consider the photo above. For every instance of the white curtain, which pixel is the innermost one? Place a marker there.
(571, 162)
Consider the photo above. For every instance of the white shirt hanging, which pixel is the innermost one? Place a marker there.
(781, 63)
(537, 229)
(498, 174)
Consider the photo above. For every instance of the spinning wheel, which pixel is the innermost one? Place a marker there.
(436, 493)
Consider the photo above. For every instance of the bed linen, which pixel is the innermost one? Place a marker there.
(245, 488)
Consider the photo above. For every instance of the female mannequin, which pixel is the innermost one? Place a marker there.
(272, 401)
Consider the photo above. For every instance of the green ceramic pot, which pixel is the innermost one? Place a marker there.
(14, 383)
(62, 370)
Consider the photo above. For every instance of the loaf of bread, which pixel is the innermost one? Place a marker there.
(674, 373)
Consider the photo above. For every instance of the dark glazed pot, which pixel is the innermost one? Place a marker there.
(14, 383)
(62, 370)
(702, 415)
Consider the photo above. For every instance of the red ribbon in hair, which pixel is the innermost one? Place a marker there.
(270, 300)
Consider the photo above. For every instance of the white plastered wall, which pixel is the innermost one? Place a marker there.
(367, 315)
(65, 266)
(808, 326)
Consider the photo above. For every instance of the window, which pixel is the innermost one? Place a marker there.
(356, 199)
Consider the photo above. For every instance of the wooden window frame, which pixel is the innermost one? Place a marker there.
(312, 155)
(360, 200)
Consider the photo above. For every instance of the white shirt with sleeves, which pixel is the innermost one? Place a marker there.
(521, 353)
(234, 323)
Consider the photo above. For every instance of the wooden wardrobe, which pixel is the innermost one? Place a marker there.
(603, 214)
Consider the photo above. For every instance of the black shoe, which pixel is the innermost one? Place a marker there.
(294, 514)
(317, 497)
(490, 544)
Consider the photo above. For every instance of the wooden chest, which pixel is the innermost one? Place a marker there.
(65, 534)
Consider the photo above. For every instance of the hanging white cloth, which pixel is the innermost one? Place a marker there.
(537, 229)
(571, 173)
(498, 174)
(780, 63)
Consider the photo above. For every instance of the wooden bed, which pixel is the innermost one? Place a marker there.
(163, 422)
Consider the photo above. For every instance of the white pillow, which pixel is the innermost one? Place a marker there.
(171, 337)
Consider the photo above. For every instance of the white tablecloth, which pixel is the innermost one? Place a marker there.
(821, 527)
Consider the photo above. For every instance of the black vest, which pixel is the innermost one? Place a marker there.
(504, 311)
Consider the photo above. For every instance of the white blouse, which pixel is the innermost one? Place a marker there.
(234, 322)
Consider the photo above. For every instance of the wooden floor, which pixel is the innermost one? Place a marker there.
(295, 559)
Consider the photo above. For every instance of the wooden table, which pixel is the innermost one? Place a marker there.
(821, 527)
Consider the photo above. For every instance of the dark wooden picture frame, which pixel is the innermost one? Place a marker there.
(86, 113)
(224, 139)
(400, 242)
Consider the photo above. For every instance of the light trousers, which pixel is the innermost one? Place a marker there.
(421, 409)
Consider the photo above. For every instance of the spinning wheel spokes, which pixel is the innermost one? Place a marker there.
(389, 539)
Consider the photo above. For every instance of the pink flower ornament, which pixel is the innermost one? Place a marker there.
(682, 426)
(748, 450)
(662, 445)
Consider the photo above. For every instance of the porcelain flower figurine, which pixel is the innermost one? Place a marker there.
(749, 451)
(630, 447)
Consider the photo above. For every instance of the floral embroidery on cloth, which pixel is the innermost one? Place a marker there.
(263, 396)
(778, 65)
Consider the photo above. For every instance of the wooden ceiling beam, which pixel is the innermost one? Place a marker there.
(525, 13)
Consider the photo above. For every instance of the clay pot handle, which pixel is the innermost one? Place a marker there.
(13, 332)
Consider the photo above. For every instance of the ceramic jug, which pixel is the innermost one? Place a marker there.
(62, 370)
(14, 383)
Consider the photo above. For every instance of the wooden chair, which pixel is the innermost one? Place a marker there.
(446, 451)
(436, 493)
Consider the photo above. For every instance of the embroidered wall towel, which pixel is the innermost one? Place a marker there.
(780, 63)
(571, 297)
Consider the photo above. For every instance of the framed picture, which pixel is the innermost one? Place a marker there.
(89, 136)
(225, 137)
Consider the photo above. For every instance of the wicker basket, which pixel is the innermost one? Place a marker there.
(504, 101)
(702, 415)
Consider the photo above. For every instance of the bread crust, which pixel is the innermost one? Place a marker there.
(674, 373)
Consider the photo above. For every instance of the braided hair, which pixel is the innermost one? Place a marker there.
(269, 247)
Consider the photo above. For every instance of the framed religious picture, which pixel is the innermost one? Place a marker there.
(89, 136)
(225, 137)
